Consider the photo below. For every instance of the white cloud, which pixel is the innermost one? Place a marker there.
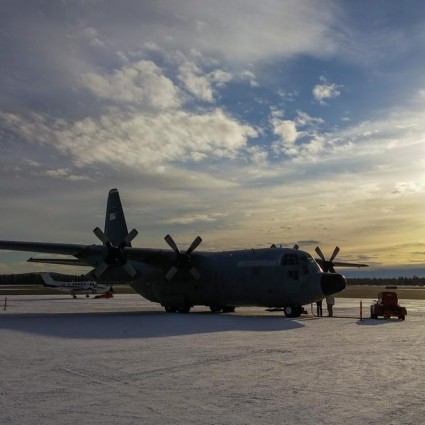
(410, 187)
(140, 83)
(199, 84)
(139, 140)
(196, 83)
(259, 156)
(194, 218)
(286, 130)
(92, 36)
(220, 77)
(251, 77)
(324, 91)
(303, 129)
(263, 30)
(63, 173)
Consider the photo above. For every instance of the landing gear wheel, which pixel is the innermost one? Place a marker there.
(170, 309)
(184, 309)
(292, 310)
(228, 309)
(215, 308)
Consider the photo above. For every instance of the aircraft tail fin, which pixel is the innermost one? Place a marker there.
(115, 225)
(47, 279)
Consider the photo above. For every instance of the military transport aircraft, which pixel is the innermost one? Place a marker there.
(74, 287)
(281, 278)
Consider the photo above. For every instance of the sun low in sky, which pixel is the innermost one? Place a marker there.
(246, 122)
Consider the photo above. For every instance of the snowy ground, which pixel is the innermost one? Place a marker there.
(125, 361)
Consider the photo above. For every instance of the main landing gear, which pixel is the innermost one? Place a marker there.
(186, 308)
(292, 310)
(180, 309)
(222, 309)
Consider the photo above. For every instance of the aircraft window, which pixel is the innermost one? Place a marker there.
(309, 260)
(303, 262)
(289, 260)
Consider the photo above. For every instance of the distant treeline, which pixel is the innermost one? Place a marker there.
(35, 278)
(387, 281)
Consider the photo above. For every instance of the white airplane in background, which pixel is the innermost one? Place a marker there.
(74, 287)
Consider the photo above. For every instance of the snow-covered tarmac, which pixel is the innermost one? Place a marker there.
(125, 361)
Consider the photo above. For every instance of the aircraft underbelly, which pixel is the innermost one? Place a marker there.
(182, 289)
(252, 286)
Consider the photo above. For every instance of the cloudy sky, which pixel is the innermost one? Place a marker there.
(246, 122)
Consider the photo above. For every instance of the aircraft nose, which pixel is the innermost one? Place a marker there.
(332, 283)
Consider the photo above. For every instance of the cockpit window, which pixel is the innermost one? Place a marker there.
(303, 262)
(289, 260)
(307, 259)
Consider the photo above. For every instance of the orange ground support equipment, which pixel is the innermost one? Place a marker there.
(107, 294)
(387, 306)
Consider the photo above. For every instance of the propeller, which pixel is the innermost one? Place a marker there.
(183, 260)
(327, 265)
(115, 256)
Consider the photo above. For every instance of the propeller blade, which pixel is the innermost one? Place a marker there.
(127, 240)
(171, 273)
(335, 253)
(320, 253)
(195, 273)
(114, 255)
(327, 265)
(172, 244)
(183, 260)
(100, 269)
(194, 245)
(101, 236)
(129, 269)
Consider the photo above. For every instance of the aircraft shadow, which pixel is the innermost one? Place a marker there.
(118, 325)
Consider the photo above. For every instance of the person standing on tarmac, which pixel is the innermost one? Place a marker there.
(319, 308)
(330, 301)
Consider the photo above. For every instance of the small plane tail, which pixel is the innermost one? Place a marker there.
(47, 279)
(115, 225)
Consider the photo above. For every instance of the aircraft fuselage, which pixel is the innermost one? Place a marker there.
(274, 277)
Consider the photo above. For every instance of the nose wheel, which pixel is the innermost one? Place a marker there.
(293, 310)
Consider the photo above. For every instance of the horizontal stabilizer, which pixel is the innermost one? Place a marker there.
(62, 261)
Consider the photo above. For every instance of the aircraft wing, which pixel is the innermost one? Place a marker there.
(61, 261)
(46, 247)
(340, 264)
(96, 255)
(85, 255)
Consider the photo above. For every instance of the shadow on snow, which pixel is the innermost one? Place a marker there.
(117, 325)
